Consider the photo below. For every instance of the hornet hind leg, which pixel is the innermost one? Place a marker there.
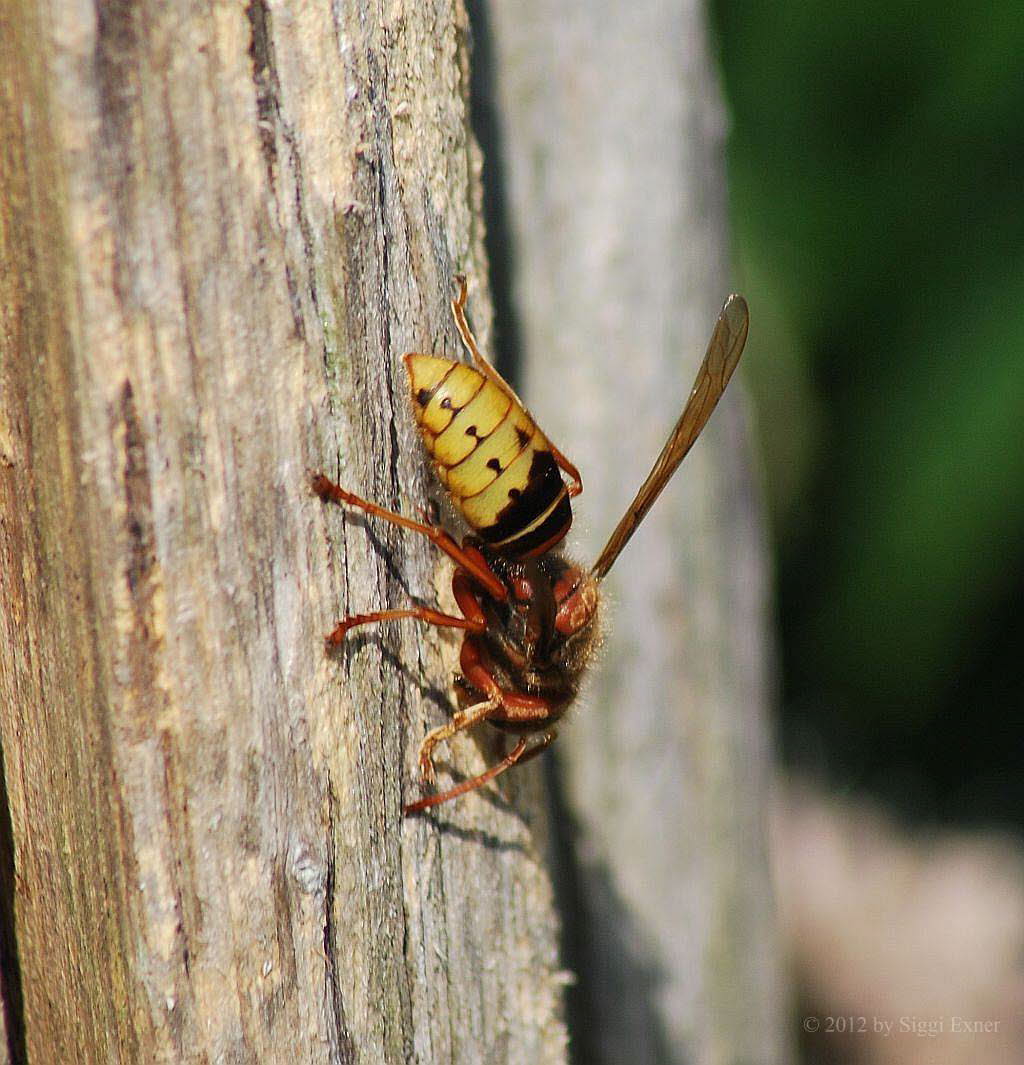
(519, 755)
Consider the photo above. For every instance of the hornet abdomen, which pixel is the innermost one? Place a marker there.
(490, 455)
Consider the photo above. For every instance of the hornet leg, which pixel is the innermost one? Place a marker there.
(467, 558)
(517, 756)
(423, 613)
(461, 719)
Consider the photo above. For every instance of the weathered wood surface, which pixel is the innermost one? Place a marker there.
(612, 130)
(221, 225)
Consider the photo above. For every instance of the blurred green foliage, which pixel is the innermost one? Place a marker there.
(877, 181)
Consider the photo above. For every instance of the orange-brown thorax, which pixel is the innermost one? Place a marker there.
(539, 640)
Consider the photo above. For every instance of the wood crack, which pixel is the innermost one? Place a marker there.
(10, 962)
(342, 1046)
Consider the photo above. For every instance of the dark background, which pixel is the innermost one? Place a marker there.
(877, 182)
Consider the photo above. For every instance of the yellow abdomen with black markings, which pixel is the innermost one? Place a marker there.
(490, 454)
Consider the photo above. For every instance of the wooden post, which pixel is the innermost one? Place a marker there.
(612, 128)
(220, 227)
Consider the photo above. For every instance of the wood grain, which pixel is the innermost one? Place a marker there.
(221, 227)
